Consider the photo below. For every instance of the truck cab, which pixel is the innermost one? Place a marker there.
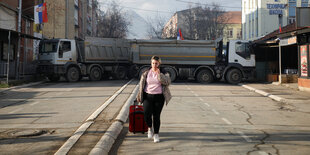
(54, 54)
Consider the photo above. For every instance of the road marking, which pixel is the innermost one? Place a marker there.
(244, 136)
(196, 95)
(226, 121)
(215, 111)
(34, 103)
(207, 104)
(262, 153)
(16, 110)
(200, 99)
(192, 92)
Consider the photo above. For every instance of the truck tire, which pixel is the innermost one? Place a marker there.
(121, 73)
(95, 74)
(73, 74)
(204, 76)
(54, 78)
(234, 76)
(172, 73)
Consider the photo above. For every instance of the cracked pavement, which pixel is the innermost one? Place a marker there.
(226, 119)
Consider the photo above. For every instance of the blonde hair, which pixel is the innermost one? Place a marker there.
(157, 58)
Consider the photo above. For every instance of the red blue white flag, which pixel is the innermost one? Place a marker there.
(40, 14)
(180, 36)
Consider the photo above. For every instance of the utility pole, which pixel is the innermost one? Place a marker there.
(66, 22)
(19, 31)
(8, 66)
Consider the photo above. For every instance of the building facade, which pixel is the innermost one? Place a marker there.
(183, 20)
(232, 30)
(20, 56)
(260, 17)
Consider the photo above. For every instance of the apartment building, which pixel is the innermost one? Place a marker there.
(260, 17)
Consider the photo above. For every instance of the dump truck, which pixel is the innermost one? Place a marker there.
(102, 58)
(204, 60)
(96, 58)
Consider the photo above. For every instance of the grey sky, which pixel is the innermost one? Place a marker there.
(149, 8)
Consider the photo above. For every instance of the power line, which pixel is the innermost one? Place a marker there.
(207, 4)
(157, 11)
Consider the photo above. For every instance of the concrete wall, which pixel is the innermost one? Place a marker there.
(56, 25)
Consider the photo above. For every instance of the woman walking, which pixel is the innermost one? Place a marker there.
(153, 92)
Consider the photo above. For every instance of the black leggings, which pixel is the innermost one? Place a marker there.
(153, 104)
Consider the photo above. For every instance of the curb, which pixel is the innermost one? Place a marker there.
(274, 97)
(107, 140)
(22, 86)
(65, 148)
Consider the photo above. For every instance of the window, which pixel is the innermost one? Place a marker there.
(4, 51)
(239, 32)
(292, 8)
(65, 46)
(243, 50)
(304, 3)
(230, 33)
(76, 16)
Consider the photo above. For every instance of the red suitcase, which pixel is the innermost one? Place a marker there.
(136, 119)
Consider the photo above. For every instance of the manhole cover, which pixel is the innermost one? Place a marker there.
(28, 133)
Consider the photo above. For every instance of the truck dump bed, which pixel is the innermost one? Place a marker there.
(104, 50)
(189, 52)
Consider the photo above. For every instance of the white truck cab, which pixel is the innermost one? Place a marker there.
(58, 51)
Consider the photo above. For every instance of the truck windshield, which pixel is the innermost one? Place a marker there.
(48, 47)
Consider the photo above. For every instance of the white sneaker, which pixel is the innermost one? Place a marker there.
(156, 138)
(150, 133)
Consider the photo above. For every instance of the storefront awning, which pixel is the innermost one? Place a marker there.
(23, 35)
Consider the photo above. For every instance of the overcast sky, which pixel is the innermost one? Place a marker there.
(150, 8)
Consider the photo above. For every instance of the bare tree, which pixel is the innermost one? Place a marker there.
(155, 26)
(204, 22)
(113, 23)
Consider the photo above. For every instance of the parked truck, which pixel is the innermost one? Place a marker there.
(96, 58)
(203, 60)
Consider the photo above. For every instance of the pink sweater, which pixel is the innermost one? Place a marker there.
(153, 86)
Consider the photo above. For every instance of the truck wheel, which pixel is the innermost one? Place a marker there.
(234, 76)
(121, 73)
(171, 73)
(54, 78)
(95, 74)
(73, 74)
(204, 76)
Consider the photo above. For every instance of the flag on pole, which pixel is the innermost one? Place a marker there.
(280, 28)
(40, 14)
(180, 36)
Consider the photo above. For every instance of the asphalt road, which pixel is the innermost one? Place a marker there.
(39, 119)
(223, 119)
(200, 119)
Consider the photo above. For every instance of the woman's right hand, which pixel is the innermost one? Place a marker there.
(138, 100)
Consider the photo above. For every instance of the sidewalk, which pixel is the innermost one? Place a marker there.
(286, 93)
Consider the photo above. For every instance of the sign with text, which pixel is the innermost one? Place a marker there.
(303, 61)
(276, 9)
